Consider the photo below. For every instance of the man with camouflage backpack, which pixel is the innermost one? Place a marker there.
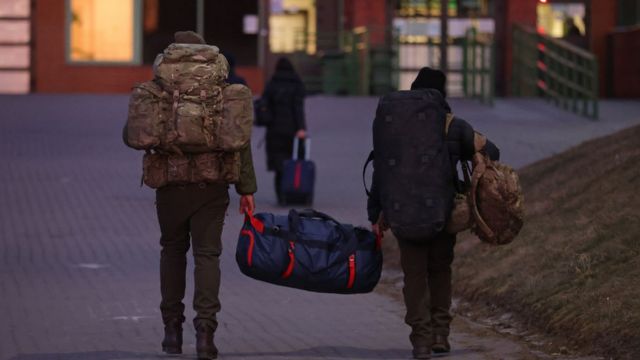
(417, 144)
(195, 130)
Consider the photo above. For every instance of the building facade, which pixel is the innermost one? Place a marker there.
(104, 46)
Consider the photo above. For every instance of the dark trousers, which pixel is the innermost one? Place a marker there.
(277, 180)
(427, 287)
(191, 215)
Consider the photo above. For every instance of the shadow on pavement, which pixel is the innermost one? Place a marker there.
(93, 355)
(346, 352)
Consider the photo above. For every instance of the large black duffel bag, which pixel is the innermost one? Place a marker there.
(309, 250)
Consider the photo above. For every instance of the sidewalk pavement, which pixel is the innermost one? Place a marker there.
(79, 246)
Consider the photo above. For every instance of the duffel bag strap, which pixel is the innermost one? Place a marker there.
(364, 172)
(255, 223)
(346, 250)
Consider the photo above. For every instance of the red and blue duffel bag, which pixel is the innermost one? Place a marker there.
(309, 250)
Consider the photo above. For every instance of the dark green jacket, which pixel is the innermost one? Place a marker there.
(247, 184)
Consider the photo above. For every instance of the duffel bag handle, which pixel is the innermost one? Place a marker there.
(352, 241)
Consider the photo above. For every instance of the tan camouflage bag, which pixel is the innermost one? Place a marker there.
(220, 120)
(154, 170)
(196, 122)
(173, 169)
(497, 203)
(208, 115)
(235, 130)
(216, 167)
(493, 207)
(190, 68)
(147, 117)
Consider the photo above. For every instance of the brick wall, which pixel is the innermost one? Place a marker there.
(52, 74)
(603, 19)
(515, 12)
(369, 13)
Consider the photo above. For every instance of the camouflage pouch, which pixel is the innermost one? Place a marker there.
(154, 170)
(147, 116)
(206, 168)
(231, 167)
(178, 169)
(190, 68)
(197, 121)
(235, 130)
(460, 219)
(216, 167)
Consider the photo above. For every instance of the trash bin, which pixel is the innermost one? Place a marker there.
(382, 71)
(333, 73)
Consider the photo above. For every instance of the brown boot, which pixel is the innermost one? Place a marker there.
(204, 344)
(421, 352)
(440, 344)
(172, 343)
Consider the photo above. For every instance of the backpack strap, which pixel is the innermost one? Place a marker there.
(449, 120)
(364, 171)
(480, 166)
(456, 184)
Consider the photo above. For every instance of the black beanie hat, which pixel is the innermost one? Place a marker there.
(429, 78)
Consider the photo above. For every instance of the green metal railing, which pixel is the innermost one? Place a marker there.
(563, 74)
(346, 63)
(478, 68)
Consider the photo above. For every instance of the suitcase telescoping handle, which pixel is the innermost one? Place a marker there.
(296, 147)
(346, 250)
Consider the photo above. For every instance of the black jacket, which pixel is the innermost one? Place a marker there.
(461, 148)
(284, 95)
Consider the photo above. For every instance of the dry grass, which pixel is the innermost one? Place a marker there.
(574, 271)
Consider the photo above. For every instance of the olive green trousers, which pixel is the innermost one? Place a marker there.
(191, 215)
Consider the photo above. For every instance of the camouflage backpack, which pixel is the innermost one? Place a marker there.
(207, 114)
(493, 206)
(188, 108)
(497, 204)
(161, 169)
(148, 116)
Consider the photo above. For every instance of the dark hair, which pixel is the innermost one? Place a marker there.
(284, 64)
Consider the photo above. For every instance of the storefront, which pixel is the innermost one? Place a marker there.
(418, 26)
(107, 45)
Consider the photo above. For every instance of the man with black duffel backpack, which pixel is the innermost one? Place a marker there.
(417, 146)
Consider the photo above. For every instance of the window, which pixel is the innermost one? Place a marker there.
(456, 8)
(162, 18)
(15, 52)
(292, 26)
(104, 31)
(565, 20)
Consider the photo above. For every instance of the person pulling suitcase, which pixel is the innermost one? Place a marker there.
(298, 175)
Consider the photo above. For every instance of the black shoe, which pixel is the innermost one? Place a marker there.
(172, 343)
(421, 352)
(204, 344)
(440, 344)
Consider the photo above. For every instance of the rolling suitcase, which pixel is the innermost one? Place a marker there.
(298, 176)
(309, 250)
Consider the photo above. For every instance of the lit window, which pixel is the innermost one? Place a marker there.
(561, 20)
(103, 31)
(292, 26)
